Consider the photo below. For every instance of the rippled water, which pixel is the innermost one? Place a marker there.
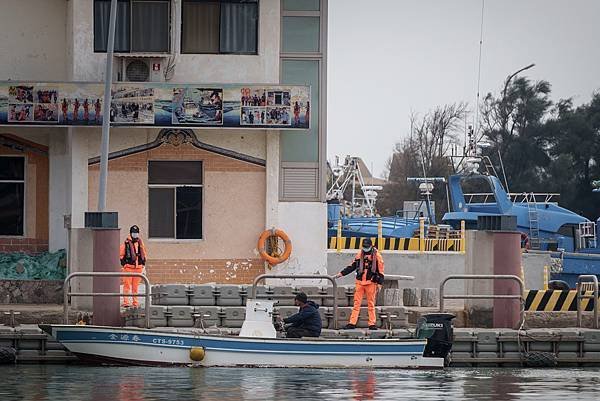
(76, 383)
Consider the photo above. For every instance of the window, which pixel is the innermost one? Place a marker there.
(226, 26)
(143, 26)
(12, 195)
(175, 199)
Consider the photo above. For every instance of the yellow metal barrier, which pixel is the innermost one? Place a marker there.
(421, 234)
(339, 236)
(463, 236)
(457, 243)
(399, 244)
(379, 234)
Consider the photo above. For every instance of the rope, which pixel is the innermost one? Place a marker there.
(534, 359)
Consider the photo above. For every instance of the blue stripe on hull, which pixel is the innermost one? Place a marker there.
(234, 345)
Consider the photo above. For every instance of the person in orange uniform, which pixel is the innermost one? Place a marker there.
(369, 268)
(133, 258)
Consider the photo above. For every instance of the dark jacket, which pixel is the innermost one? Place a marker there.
(364, 262)
(307, 318)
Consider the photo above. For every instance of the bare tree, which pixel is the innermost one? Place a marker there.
(423, 152)
(434, 133)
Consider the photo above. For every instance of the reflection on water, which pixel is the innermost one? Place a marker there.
(76, 383)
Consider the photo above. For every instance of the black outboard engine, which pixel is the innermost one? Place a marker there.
(438, 330)
(558, 285)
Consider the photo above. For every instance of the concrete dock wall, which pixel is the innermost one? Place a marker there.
(429, 268)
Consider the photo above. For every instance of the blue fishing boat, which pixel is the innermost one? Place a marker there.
(545, 226)
(257, 346)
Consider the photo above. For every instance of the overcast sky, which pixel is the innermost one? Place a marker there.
(390, 57)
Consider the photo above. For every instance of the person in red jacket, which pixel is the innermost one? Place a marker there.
(133, 258)
(369, 268)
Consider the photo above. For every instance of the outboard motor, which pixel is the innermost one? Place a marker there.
(438, 330)
(558, 285)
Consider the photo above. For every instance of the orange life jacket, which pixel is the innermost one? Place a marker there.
(130, 256)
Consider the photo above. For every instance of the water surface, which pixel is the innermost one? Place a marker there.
(77, 383)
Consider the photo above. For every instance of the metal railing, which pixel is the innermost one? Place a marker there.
(515, 197)
(520, 296)
(67, 293)
(581, 286)
(262, 277)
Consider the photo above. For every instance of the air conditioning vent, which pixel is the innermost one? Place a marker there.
(137, 71)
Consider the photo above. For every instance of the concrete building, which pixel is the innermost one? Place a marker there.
(248, 179)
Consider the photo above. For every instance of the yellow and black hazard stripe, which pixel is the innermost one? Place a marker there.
(555, 301)
(397, 244)
(442, 245)
(389, 244)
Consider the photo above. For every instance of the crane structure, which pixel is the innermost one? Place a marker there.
(348, 175)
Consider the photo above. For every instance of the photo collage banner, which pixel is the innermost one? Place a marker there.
(156, 105)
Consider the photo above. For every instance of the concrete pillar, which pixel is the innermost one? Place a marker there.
(479, 259)
(507, 260)
(81, 259)
(492, 253)
(77, 178)
(106, 254)
(272, 180)
(57, 190)
(68, 183)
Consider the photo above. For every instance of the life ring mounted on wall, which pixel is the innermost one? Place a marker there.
(268, 246)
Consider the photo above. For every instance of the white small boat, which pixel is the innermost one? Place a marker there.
(257, 346)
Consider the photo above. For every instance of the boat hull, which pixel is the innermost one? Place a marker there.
(133, 346)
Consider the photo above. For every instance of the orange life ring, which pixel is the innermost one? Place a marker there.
(275, 257)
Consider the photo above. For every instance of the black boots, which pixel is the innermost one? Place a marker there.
(351, 326)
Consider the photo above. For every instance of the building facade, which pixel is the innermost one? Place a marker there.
(201, 196)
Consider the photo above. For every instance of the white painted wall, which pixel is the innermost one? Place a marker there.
(33, 40)
(304, 222)
(201, 68)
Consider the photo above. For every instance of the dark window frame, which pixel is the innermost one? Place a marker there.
(23, 182)
(130, 22)
(174, 188)
(255, 53)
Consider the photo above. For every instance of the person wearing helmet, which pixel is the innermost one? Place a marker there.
(133, 258)
(368, 265)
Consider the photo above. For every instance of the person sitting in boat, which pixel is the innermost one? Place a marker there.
(305, 323)
(368, 265)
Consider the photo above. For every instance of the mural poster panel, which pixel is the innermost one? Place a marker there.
(136, 104)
